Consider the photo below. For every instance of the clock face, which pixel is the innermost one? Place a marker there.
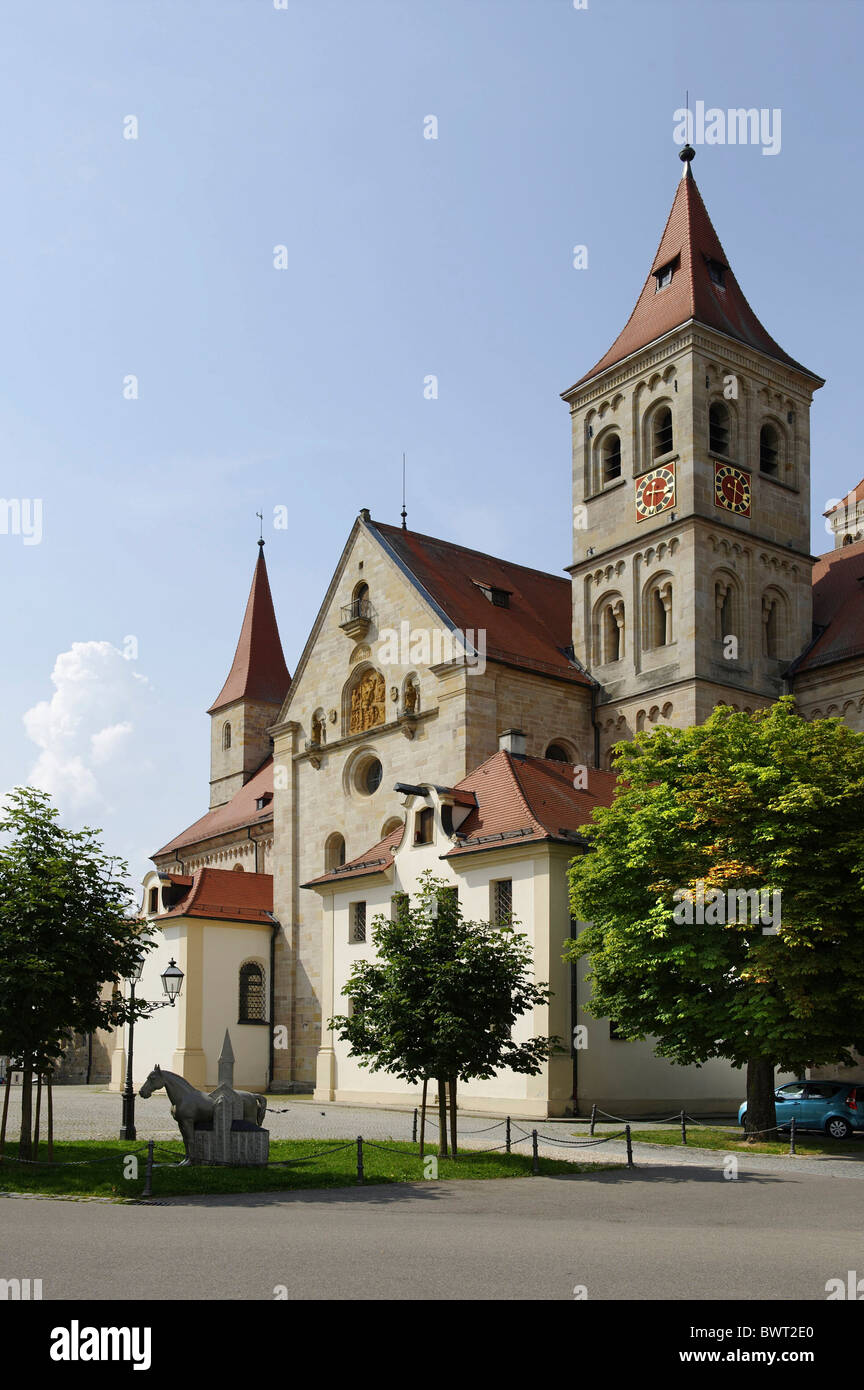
(731, 489)
(655, 492)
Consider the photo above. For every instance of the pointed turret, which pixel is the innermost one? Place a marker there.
(258, 671)
(691, 281)
(251, 698)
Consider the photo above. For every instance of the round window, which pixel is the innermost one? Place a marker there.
(371, 776)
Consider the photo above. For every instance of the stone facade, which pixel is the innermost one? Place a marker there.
(320, 791)
(686, 556)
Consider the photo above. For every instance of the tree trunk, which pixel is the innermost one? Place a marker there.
(453, 1147)
(423, 1116)
(6, 1091)
(761, 1114)
(25, 1138)
(442, 1120)
(50, 1120)
(38, 1115)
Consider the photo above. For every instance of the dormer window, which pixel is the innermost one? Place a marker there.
(499, 597)
(717, 272)
(424, 826)
(263, 801)
(663, 276)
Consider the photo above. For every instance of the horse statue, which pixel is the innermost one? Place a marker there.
(189, 1106)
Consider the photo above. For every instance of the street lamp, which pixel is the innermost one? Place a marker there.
(172, 980)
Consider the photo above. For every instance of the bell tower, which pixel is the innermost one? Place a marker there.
(691, 492)
(251, 698)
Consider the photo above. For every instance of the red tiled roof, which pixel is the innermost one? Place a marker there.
(258, 671)
(856, 495)
(227, 895)
(529, 799)
(236, 813)
(838, 606)
(518, 799)
(689, 240)
(532, 632)
(372, 862)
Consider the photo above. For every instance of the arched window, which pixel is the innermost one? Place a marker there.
(557, 753)
(775, 624)
(718, 428)
(334, 851)
(769, 451)
(658, 613)
(252, 1002)
(239, 869)
(662, 432)
(613, 631)
(725, 609)
(391, 823)
(226, 736)
(611, 455)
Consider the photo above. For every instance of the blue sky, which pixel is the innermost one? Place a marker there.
(301, 387)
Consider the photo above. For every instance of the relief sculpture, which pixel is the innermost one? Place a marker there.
(367, 703)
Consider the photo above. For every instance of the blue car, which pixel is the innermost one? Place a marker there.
(835, 1107)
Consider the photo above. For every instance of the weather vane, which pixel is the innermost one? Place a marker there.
(260, 516)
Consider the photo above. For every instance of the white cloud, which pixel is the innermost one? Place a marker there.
(88, 758)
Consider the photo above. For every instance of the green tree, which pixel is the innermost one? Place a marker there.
(763, 802)
(64, 933)
(441, 998)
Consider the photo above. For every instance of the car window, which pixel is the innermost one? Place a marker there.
(794, 1091)
(820, 1090)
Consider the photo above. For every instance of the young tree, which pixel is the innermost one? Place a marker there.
(64, 933)
(441, 997)
(766, 802)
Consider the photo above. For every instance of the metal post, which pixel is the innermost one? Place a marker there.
(593, 1119)
(535, 1160)
(683, 1128)
(359, 1158)
(414, 1128)
(127, 1126)
(792, 1135)
(148, 1175)
(508, 1134)
(629, 1147)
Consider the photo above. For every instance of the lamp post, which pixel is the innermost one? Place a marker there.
(172, 980)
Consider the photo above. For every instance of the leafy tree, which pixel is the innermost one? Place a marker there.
(441, 997)
(64, 933)
(766, 802)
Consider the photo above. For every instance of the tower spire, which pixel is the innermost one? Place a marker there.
(690, 281)
(258, 671)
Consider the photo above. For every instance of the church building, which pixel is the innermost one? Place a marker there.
(457, 712)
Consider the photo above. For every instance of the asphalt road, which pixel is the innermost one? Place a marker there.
(668, 1232)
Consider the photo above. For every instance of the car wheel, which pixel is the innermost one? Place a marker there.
(837, 1128)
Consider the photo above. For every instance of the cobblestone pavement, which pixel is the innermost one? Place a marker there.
(92, 1112)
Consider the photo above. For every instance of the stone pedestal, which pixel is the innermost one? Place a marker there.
(231, 1141)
